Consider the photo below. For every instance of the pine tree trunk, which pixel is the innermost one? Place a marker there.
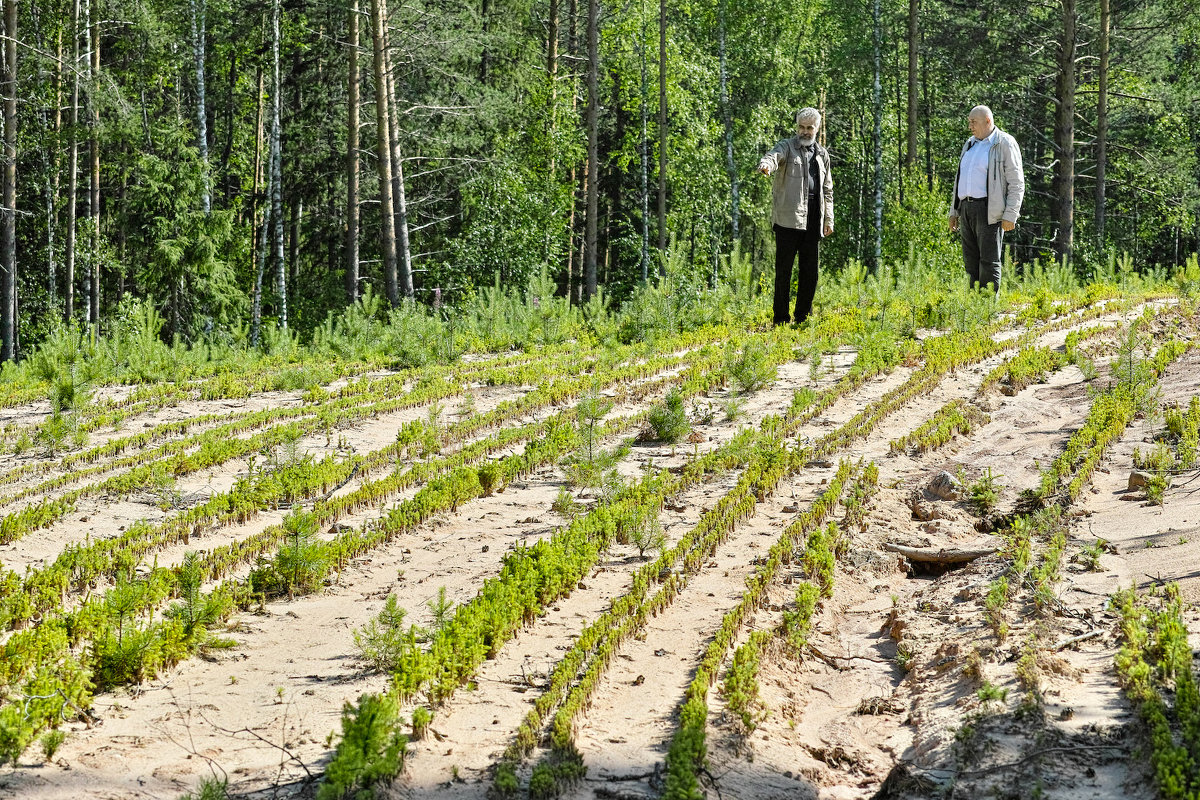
(643, 151)
(914, 35)
(1102, 125)
(662, 135)
(485, 58)
(261, 229)
(197, 8)
(352, 124)
(277, 170)
(577, 190)
(264, 234)
(1064, 133)
(592, 124)
(54, 180)
(551, 118)
(8, 230)
(94, 151)
(727, 120)
(878, 139)
(72, 172)
(384, 148)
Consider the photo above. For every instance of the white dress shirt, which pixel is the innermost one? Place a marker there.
(972, 173)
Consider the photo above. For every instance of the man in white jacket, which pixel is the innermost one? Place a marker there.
(801, 211)
(988, 191)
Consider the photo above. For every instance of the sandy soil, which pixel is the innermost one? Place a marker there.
(885, 703)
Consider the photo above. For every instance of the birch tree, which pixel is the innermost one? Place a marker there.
(8, 228)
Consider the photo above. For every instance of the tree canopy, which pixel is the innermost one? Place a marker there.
(223, 159)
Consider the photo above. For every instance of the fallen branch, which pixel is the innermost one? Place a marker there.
(1038, 754)
(943, 555)
(828, 658)
(1077, 639)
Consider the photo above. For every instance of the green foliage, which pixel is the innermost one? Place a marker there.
(383, 642)
(421, 719)
(489, 477)
(668, 420)
(565, 504)
(505, 784)
(741, 683)
(370, 753)
(196, 611)
(52, 740)
(748, 366)
(798, 622)
(984, 492)
(301, 563)
(212, 788)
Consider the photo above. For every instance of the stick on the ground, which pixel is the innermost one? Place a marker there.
(1038, 754)
(941, 555)
(1077, 639)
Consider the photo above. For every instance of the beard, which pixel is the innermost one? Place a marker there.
(806, 140)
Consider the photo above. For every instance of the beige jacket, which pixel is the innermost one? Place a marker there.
(789, 191)
(1005, 179)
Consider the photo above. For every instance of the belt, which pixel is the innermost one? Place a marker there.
(972, 199)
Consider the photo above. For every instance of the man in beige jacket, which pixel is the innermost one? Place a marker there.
(801, 211)
(988, 191)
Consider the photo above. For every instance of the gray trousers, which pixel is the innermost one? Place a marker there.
(982, 244)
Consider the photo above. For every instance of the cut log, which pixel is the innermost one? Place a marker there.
(940, 555)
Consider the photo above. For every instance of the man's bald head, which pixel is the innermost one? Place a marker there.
(981, 122)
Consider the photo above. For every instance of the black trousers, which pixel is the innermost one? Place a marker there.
(795, 245)
(982, 244)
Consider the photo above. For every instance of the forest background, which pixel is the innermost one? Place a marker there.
(242, 164)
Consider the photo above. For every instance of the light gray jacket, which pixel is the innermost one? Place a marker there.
(789, 191)
(1005, 179)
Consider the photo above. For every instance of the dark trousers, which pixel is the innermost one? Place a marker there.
(982, 244)
(791, 245)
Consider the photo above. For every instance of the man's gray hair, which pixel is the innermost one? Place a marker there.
(809, 115)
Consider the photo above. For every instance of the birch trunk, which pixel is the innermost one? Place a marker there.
(197, 8)
(403, 250)
(8, 231)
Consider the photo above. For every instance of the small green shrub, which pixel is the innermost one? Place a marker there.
(371, 752)
(668, 420)
(52, 740)
(505, 784)
(382, 642)
(985, 492)
(749, 366)
(300, 565)
(421, 719)
(489, 477)
(212, 788)
(565, 504)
